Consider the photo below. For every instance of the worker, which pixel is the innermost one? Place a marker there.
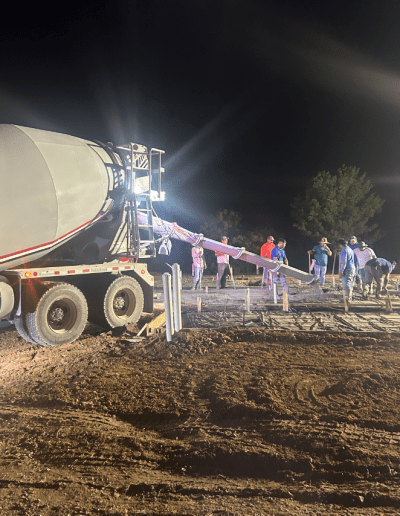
(321, 253)
(278, 254)
(378, 269)
(363, 254)
(265, 252)
(353, 245)
(198, 266)
(347, 268)
(223, 265)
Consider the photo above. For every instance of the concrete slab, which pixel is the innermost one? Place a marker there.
(311, 308)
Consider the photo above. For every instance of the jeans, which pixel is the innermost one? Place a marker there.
(374, 271)
(348, 279)
(198, 275)
(267, 276)
(320, 271)
(282, 278)
(357, 277)
(223, 269)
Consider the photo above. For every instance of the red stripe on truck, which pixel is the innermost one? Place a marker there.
(47, 244)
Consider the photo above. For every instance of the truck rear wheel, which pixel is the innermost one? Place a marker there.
(120, 303)
(59, 317)
(20, 325)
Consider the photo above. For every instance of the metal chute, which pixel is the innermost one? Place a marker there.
(173, 230)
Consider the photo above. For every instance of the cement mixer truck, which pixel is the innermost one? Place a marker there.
(77, 224)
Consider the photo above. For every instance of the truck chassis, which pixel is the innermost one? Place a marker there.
(53, 304)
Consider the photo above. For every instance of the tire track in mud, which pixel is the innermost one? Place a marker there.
(60, 439)
(219, 416)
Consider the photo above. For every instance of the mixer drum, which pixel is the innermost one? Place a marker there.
(53, 186)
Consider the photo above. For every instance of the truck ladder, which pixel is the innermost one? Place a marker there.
(147, 247)
(143, 170)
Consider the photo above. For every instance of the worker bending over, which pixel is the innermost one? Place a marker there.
(378, 269)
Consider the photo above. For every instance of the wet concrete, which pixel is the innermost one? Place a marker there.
(310, 307)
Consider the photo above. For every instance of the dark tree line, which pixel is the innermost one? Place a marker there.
(337, 206)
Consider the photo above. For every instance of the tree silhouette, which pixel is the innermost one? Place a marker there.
(338, 206)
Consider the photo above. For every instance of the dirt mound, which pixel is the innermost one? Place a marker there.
(236, 421)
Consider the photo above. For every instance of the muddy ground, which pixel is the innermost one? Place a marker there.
(230, 421)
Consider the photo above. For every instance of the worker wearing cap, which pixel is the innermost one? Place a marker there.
(321, 253)
(265, 252)
(353, 245)
(347, 268)
(378, 269)
(363, 253)
(223, 265)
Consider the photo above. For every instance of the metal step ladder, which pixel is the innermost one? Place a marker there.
(144, 170)
(147, 247)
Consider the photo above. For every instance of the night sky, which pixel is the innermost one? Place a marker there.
(248, 99)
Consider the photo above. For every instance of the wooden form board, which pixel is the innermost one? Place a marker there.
(156, 324)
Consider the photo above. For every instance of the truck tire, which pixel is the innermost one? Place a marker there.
(59, 317)
(123, 302)
(20, 325)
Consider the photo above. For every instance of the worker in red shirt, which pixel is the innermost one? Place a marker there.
(266, 253)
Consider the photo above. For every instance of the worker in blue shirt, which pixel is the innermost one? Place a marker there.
(347, 268)
(278, 254)
(378, 269)
(321, 253)
(354, 245)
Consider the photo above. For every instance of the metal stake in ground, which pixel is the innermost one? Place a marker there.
(168, 305)
(333, 269)
(247, 300)
(176, 281)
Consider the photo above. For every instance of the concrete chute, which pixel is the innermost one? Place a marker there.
(173, 230)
